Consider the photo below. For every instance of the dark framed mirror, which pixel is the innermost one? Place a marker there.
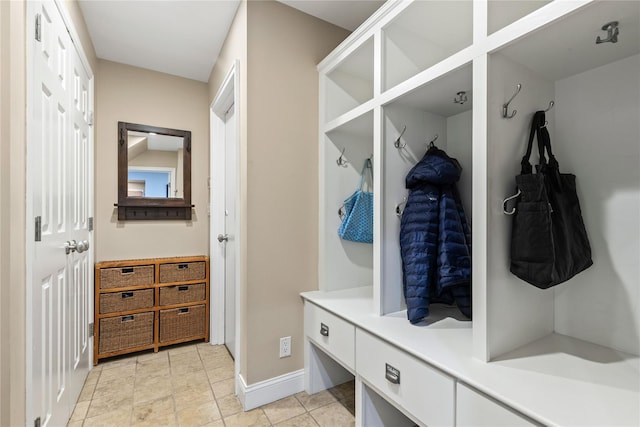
(154, 172)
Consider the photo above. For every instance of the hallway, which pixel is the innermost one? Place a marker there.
(192, 385)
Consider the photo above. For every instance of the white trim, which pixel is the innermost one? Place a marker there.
(270, 390)
(228, 95)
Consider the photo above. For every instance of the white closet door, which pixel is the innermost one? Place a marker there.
(230, 230)
(60, 185)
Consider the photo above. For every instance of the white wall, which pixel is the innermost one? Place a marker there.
(135, 95)
(516, 312)
(459, 147)
(598, 138)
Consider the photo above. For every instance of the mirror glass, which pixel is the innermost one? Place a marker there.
(154, 172)
(155, 165)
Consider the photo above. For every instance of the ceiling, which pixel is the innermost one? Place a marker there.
(183, 37)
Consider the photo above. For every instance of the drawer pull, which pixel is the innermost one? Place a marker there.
(324, 330)
(127, 295)
(127, 270)
(183, 266)
(127, 318)
(183, 288)
(183, 310)
(392, 374)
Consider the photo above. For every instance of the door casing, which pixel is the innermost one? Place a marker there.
(228, 95)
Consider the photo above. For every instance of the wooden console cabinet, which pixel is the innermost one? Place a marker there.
(149, 303)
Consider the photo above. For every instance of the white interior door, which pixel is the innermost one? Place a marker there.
(60, 187)
(230, 230)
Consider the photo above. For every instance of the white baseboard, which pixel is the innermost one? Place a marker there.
(263, 392)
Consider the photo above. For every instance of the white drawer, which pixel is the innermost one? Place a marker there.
(424, 392)
(331, 333)
(475, 410)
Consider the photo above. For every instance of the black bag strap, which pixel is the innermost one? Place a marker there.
(536, 124)
(550, 169)
(544, 143)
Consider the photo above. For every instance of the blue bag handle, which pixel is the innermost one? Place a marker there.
(367, 165)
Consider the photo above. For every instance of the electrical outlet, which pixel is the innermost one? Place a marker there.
(285, 347)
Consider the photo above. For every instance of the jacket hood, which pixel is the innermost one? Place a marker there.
(436, 167)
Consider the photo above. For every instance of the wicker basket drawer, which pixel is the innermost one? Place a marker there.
(179, 323)
(182, 271)
(127, 300)
(121, 277)
(180, 294)
(125, 332)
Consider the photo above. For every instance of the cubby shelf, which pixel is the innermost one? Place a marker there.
(526, 348)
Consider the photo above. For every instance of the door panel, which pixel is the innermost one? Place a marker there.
(230, 230)
(60, 182)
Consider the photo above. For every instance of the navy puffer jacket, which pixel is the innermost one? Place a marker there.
(435, 239)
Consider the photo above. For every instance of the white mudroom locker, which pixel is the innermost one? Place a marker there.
(418, 72)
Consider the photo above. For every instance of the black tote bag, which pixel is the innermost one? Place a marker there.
(549, 243)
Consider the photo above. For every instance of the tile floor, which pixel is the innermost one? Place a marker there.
(192, 385)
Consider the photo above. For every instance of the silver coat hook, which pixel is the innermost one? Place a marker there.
(551, 104)
(461, 98)
(505, 106)
(612, 33)
(398, 144)
(341, 160)
(400, 207)
(507, 200)
(431, 143)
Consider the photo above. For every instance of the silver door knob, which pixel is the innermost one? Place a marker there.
(70, 246)
(223, 238)
(82, 246)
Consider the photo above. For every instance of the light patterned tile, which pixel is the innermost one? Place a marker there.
(87, 392)
(229, 405)
(216, 423)
(224, 388)
(193, 381)
(118, 417)
(150, 376)
(116, 388)
(283, 409)
(107, 404)
(216, 358)
(254, 418)
(151, 389)
(118, 362)
(157, 413)
(219, 374)
(314, 401)
(304, 420)
(182, 358)
(72, 423)
(150, 365)
(333, 415)
(93, 376)
(118, 372)
(150, 355)
(188, 399)
(199, 415)
(80, 411)
(186, 366)
(182, 349)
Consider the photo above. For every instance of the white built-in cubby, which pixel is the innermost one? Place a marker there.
(423, 34)
(385, 93)
(412, 121)
(350, 83)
